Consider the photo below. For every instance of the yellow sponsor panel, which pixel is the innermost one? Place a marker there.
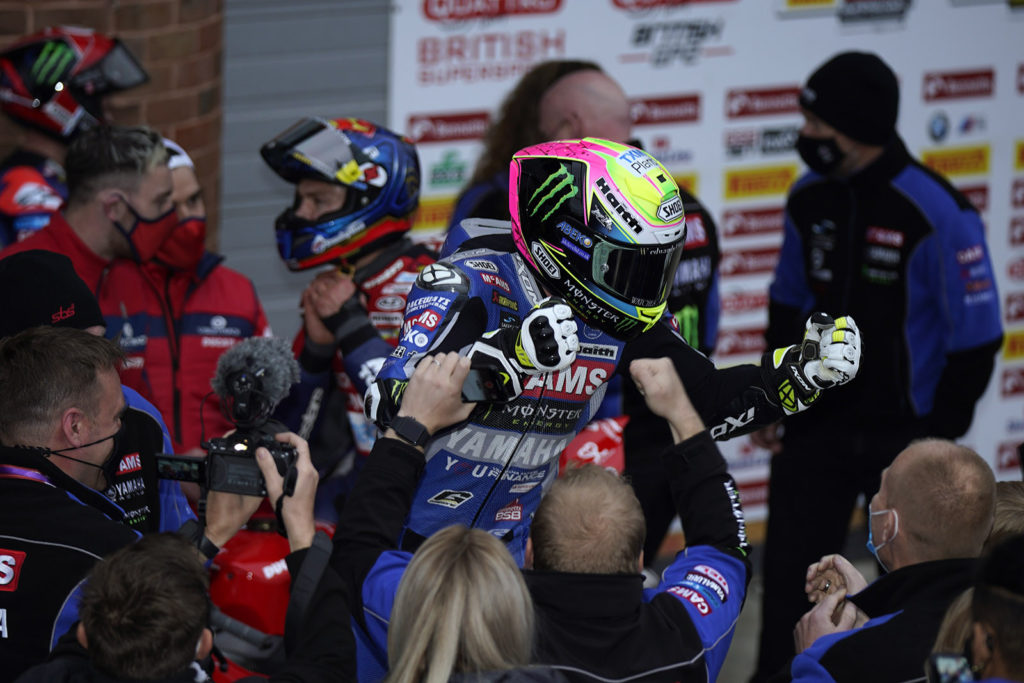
(687, 181)
(759, 181)
(1018, 158)
(958, 161)
(809, 4)
(434, 213)
(1013, 345)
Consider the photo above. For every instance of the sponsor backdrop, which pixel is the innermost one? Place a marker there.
(714, 87)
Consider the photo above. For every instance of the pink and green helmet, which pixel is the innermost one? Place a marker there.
(602, 226)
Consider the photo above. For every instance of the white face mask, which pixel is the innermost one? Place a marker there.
(872, 548)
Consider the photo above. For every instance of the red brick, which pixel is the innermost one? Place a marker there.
(199, 135)
(14, 22)
(95, 15)
(161, 81)
(138, 46)
(209, 99)
(200, 70)
(198, 10)
(211, 35)
(165, 111)
(123, 111)
(133, 17)
(173, 44)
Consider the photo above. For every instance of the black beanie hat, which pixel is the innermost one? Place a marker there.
(42, 288)
(857, 94)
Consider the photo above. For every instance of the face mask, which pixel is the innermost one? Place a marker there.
(821, 155)
(872, 548)
(184, 247)
(146, 235)
(108, 467)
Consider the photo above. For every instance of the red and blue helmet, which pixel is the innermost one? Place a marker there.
(380, 170)
(54, 80)
(602, 225)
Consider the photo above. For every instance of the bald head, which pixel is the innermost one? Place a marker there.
(585, 103)
(945, 496)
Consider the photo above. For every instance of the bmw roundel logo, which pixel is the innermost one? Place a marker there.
(938, 126)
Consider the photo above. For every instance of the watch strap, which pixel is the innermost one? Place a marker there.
(410, 430)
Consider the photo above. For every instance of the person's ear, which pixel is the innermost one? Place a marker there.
(205, 644)
(113, 206)
(640, 563)
(80, 635)
(528, 556)
(73, 426)
(981, 646)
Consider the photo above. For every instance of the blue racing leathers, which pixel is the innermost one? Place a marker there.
(490, 471)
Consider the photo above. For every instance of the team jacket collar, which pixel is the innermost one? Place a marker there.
(894, 159)
(923, 582)
(621, 594)
(29, 464)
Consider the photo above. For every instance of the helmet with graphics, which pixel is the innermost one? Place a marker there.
(379, 171)
(602, 226)
(53, 81)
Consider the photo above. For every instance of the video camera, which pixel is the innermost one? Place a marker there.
(251, 379)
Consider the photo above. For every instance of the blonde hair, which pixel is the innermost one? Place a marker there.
(590, 522)
(462, 606)
(956, 624)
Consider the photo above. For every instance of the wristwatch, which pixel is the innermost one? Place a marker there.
(408, 429)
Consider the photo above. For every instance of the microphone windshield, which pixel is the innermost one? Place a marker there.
(267, 360)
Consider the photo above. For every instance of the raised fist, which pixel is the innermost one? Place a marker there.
(830, 352)
(547, 339)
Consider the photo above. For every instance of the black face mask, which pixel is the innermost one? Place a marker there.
(108, 467)
(821, 155)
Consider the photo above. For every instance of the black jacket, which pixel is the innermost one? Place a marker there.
(52, 531)
(590, 627)
(906, 608)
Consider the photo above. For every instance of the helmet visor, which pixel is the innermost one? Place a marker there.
(639, 275)
(312, 147)
(117, 70)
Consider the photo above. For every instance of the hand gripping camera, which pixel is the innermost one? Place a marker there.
(251, 379)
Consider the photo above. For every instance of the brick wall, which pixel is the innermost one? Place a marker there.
(178, 42)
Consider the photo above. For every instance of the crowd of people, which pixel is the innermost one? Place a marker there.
(439, 383)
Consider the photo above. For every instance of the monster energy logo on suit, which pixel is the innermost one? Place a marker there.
(558, 189)
(53, 60)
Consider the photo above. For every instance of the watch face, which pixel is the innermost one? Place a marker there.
(410, 430)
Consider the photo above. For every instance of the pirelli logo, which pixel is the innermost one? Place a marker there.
(958, 161)
(687, 181)
(434, 214)
(1013, 345)
(759, 181)
(1018, 156)
(809, 4)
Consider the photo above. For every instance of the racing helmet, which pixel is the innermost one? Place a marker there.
(54, 80)
(381, 171)
(602, 226)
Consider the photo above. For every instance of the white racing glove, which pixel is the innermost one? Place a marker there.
(547, 339)
(828, 356)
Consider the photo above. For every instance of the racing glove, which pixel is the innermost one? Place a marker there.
(545, 341)
(828, 356)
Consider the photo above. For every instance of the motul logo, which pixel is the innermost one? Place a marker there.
(1012, 382)
(741, 342)
(1017, 194)
(762, 102)
(1015, 306)
(459, 10)
(977, 195)
(1020, 79)
(682, 109)
(444, 127)
(1007, 457)
(752, 222)
(130, 463)
(951, 85)
(749, 262)
(740, 302)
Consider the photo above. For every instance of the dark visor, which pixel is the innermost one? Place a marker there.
(639, 275)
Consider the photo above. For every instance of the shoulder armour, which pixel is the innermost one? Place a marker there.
(443, 277)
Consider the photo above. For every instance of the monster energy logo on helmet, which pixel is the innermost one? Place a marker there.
(554, 191)
(53, 60)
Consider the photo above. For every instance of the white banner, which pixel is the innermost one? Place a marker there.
(714, 87)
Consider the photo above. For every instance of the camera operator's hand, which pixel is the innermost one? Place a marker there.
(434, 395)
(226, 513)
(296, 509)
(658, 382)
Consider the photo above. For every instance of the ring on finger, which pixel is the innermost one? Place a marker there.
(436, 362)
(827, 585)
